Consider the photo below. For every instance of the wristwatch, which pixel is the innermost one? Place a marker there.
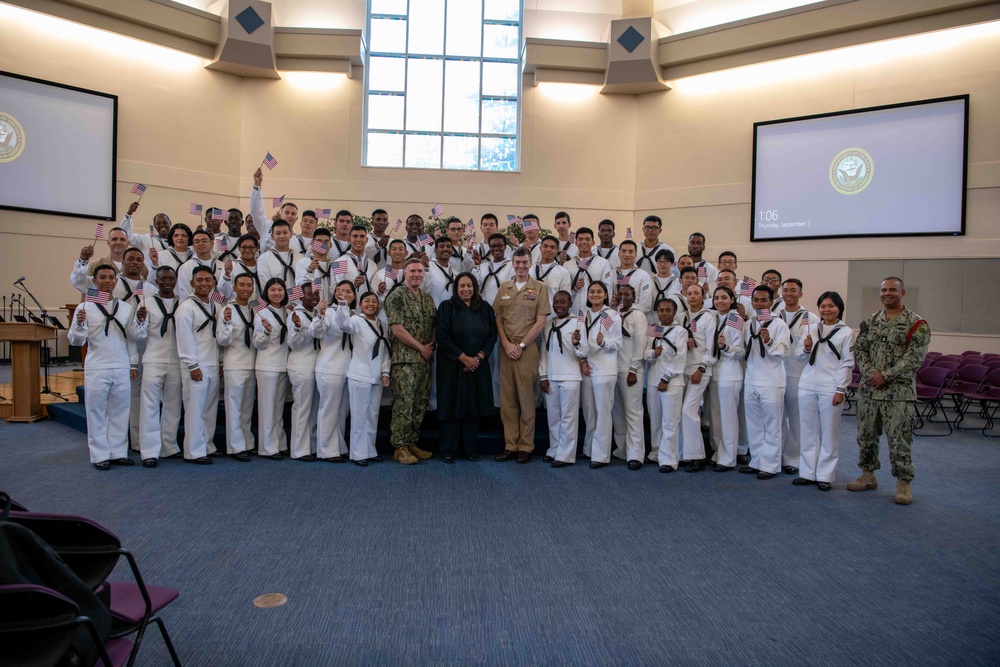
(521, 345)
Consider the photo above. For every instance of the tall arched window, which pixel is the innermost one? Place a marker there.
(443, 84)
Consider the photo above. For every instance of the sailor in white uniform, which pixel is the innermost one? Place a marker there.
(548, 270)
(160, 403)
(603, 330)
(223, 271)
(587, 268)
(666, 354)
(651, 245)
(303, 348)
(234, 334)
(316, 264)
(798, 320)
(727, 381)
(702, 347)
(563, 347)
(627, 410)
(628, 274)
(279, 261)
(490, 274)
(270, 338)
(331, 377)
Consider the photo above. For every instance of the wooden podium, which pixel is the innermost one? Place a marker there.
(26, 347)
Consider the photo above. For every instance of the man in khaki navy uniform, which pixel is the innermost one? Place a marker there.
(890, 347)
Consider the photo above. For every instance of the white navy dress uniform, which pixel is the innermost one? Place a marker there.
(173, 259)
(142, 241)
(303, 352)
(322, 271)
(555, 277)
(332, 363)
(568, 247)
(277, 264)
(483, 248)
(610, 254)
(375, 252)
(642, 283)
(369, 364)
(186, 272)
(827, 372)
(438, 283)
(160, 405)
(665, 406)
(597, 391)
(661, 288)
(591, 270)
(724, 393)
(110, 331)
(241, 269)
(239, 359)
(702, 328)
(798, 325)
(647, 257)
(359, 266)
(460, 260)
(198, 350)
(272, 380)
(559, 363)
(764, 391)
(627, 411)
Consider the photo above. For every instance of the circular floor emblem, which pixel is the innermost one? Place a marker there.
(11, 138)
(270, 600)
(851, 171)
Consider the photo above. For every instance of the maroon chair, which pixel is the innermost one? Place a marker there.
(932, 355)
(92, 552)
(948, 358)
(991, 355)
(931, 384)
(989, 397)
(968, 380)
(973, 353)
(991, 364)
(970, 360)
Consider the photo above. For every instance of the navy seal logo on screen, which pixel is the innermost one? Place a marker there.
(11, 138)
(851, 171)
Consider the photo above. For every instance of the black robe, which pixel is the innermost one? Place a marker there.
(462, 330)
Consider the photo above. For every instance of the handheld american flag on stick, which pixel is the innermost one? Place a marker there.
(391, 273)
(395, 227)
(99, 232)
(258, 305)
(622, 280)
(323, 213)
(746, 289)
(529, 225)
(270, 161)
(579, 318)
(606, 320)
(470, 227)
(217, 297)
(138, 189)
(195, 209)
(654, 331)
(749, 281)
(513, 219)
(628, 233)
(734, 321)
(437, 211)
(217, 215)
(702, 274)
(339, 268)
(276, 202)
(222, 243)
(152, 232)
(295, 294)
(317, 284)
(572, 237)
(318, 247)
(694, 326)
(764, 315)
(96, 296)
(425, 240)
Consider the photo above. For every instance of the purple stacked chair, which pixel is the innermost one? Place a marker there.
(931, 384)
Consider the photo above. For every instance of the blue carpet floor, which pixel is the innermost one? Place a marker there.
(504, 564)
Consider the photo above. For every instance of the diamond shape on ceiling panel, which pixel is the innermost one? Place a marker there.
(631, 39)
(251, 20)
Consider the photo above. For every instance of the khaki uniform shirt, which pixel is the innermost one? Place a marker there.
(896, 348)
(415, 313)
(517, 309)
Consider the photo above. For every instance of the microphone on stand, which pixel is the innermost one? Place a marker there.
(19, 280)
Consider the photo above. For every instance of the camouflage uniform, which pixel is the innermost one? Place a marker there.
(897, 348)
(410, 380)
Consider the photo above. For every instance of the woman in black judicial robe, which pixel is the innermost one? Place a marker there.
(466, 334)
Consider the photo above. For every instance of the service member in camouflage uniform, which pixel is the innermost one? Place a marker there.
(411, 317)
(890, 347)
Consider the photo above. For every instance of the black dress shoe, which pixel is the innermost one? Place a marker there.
(375, 459)
(149, 463)
(126, 462)
(273, 457)
(765, 475)
(549, 459)
(307, 457)
(824, 486)
(217, 454)
(722, 468)
(173, 456)
(335, 459)
(561, 464)
(666, 469)
(524, 457)
(471, 457)
(201, 460)
(695, 466)
(450, 460)
(747, 470)
(597, 464)
(790, 470)
(103, 465)
(241, 456)
(361, 462)
(802, 481)
(743, 459)
(507, 455)
(634, 465)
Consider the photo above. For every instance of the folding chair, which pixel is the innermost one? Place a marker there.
(968, 380)
(92, 552)
(37, 626)
(931, 383)
(989, 396)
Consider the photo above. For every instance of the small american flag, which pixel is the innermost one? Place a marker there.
(529, 225)
(99, 234)
(654, 331)
(339, 268)
(323, 213)
(391, 273)
(425, 239)
(746, 289)
(513, 220)
(152, 230)
(694, 326)
(628, 233)
(138, 189)
(584, 263)
(606, 320)
(222, 243)
(734, 321)
(764, 315)
(702, 273)
(579, 317)
(362, 264)
(317, 284)
(437, 211)
(804, 322)
(395, 227)
(138, 291)
(318, 247)
(217, 215)
(750, 281)
(259, 305)
(270, 162)
(195, 209)
(217, 297)
(276, 202)
(622, 280)
(295, 293)
(470, 227)
(96, 296)
(572, 237)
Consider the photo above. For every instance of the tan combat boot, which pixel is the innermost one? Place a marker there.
(864, 483)
(419, 453)
(903, 495)
(404, 456)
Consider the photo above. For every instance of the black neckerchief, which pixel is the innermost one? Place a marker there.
(379, 337)
(281, 323)
(683, 303)
(380, 252)
(589, 324)
(756, 337)
(247, 324)
(795, 320)
(585, 271)
(819, 330)
(302, 245)
(775, 305)
(340, 251)
(129, 292)
(316, 341)
(492, 273)
(396, 282)
(625, 315)
(178, 259)
(168, 318)
(253, 275)
(285, 268)
(542, 276)
(209, 315)
(661, 293)
(667, 340)
(610, 250)
(111, 317)
(649, 257)
(449, 278)
(695, 320)
(557, 330)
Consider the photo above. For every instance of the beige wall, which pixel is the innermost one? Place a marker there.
(191, 134)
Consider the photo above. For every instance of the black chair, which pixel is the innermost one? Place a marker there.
(92, 552)
(37, 626)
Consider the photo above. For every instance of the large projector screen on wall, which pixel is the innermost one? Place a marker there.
(897, 170)
(57, 148)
